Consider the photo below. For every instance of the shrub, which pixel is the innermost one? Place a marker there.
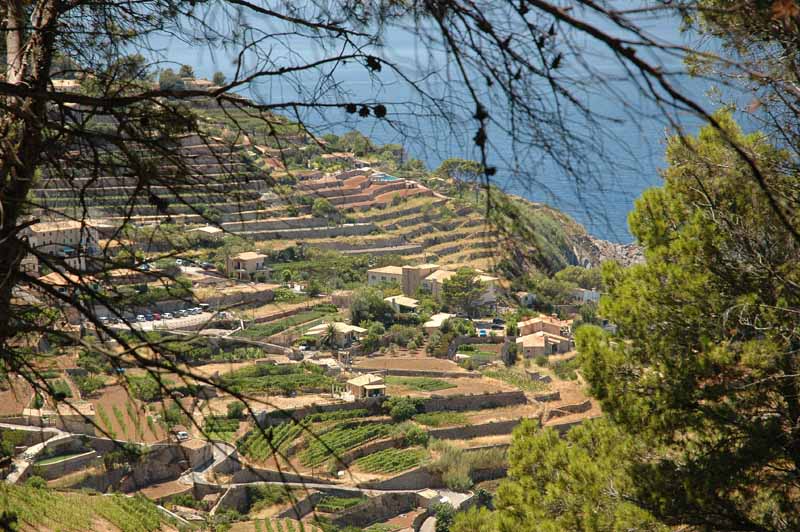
(89, 385)
(401, 408)
(414, 435)
(541, 361)
(236, 410)
(445, 515)
(36, 481)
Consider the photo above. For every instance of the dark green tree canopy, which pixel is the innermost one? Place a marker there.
(708, 371)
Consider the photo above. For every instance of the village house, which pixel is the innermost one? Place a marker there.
(542, 344)
(548, 324)
(245, 265)
(387, 274)
(402, 303)
(70, 240)
(345, 335)
(366, 386)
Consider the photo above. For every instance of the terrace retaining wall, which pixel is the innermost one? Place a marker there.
(64, 467)
(566, 410)
(467, 432)
(459, 403)
(376, 509)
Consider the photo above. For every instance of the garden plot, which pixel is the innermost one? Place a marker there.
(427, 386)
(414, 364)
(15, 398)
(122, 416)
(391, 461)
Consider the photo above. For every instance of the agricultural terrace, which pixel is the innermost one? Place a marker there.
(278, 379)
(45, 509)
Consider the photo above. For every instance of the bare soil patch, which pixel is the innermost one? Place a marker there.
(134, 425)
(17, 397)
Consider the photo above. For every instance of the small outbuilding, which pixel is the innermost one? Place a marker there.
(365, 386)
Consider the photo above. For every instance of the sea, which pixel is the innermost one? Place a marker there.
(610, 165)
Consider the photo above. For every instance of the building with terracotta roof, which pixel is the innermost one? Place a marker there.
(246, 264)
(542, 344)
(548, 324)
(365, 386)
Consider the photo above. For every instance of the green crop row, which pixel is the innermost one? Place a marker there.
(261, 444)
(44, 509)
(422, 384)
(341, 439)
(392, 460)
(332, 504)
(285, 525)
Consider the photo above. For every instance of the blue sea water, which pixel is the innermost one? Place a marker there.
(625, 153)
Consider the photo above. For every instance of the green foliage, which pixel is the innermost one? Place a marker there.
(463, 291)
(402, 335)
(401, 408)
(220, 428)
(341, 438)
(705, 370)
(456, 465)
(516, 378)
(445, 515)
(59, 389)
(285, 379)
(236, 410)
(560, 483)
(260, 331)
(391, 461)
(422, 384)
(88, 385)
(566, 369)
(475, 519)
(147, 387)
(331, 504)
(368, 305)
(587, 278)
(38, 508)
(265, 495)
(322, 208)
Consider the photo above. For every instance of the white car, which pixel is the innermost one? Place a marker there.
(178, 262)
(167, 316)
(140, 317)
(182, 435)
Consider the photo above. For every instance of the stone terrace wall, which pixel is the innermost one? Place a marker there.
(475, 431)
(457, 403)
(64, 467)
(435, 403)
(415, 479)
(566, 410)
(254, 474)
(376, 509)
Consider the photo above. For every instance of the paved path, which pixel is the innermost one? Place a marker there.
(24, 461)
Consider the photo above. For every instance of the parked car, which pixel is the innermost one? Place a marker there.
(196, 310)
(180, 313)
(178, 262)
(207, 266)
(157, 316)
(148, 317)
(498, 321)
(497, 327)
(103, 319)
(140, 317)
(182, 435)
(203, 307)
(167, 316)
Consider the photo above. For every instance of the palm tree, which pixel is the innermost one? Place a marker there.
(328, 338)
